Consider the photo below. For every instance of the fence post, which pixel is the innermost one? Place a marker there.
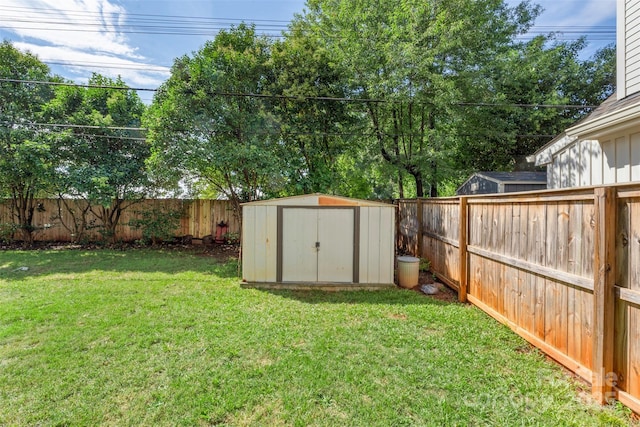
(420, 226)
(462, 246)
(603, 378)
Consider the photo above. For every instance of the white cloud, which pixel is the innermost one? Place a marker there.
(89, 25)
(577, 13)
(133, 72)
(83, 33)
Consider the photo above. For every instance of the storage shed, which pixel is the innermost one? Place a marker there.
(318, 240)
(503, 182)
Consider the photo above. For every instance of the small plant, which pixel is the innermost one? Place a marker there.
(425, 264)
(7, 230)
(157, 224)
(231, 238)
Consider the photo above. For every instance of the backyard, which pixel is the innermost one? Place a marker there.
(159, 337)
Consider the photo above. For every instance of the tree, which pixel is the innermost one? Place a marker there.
(411, 60)
(26, 158)
(211, 122)
(103, 155)
(539, 72)
(315, 126)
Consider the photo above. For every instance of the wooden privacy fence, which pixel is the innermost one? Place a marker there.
(561, 268)
(199, 218)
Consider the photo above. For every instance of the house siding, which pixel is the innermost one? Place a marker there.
(629, 48)
(614, 159)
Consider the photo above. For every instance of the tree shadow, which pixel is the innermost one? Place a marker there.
(397, 296)
(21, 265)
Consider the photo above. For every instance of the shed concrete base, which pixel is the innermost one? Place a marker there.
(320, 286)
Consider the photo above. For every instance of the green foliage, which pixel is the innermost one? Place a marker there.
(157, 224)
(104, 166)
(199, 129)
(418, 57)
(26, 156)
(425, 264)
(7, 231)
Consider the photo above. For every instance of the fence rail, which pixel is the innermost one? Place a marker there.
(199, 218)
(561, 268)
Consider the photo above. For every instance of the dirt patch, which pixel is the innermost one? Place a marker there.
(444, 293)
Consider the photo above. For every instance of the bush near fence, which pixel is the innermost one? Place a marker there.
(561, 268)
(198, 219)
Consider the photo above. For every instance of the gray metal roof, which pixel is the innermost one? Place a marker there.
(519, 176)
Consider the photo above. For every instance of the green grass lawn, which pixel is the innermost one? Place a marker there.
(164, 338)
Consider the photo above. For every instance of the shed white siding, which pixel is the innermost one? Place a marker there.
(259, 253)
(318, 239)
(377, 249)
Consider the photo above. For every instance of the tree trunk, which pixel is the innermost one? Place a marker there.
(433, 192)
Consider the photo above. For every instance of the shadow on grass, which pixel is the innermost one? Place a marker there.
(387, 296)
(19, 265)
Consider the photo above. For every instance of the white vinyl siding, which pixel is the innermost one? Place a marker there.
(612, 160)
(628, 42)
(635, 156)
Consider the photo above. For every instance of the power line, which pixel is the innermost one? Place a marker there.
(75, 85)
(307, 98)
(99, 14)
(138, 67)
(184, 25)
(74, 126)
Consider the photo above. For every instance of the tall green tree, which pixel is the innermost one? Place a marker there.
(410, 59)
(519, 89)
(210, 122)
(26, 158)
(103, 154)
(316, 127)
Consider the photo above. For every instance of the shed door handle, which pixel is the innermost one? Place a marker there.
(317, 245)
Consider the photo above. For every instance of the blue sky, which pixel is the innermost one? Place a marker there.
(139, 39)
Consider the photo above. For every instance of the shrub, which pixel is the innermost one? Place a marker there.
(157, 224)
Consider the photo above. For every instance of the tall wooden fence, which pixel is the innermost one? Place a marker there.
(199, 218)
(561, 268)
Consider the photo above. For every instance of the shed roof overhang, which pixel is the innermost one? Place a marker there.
(317, 199)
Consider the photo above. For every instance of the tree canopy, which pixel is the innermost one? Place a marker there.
(361, 98)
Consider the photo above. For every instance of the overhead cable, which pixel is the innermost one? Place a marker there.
(308, 98)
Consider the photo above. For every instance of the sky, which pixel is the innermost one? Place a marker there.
(139, 39)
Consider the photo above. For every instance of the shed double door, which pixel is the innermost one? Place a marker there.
(318, 245)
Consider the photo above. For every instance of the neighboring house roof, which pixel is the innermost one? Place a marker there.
(612, 113)
(502, 179)
(514, 177)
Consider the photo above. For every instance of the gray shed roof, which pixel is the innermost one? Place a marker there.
(511, 177)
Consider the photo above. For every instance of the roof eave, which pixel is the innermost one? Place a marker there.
(617, 120)
(544, 155)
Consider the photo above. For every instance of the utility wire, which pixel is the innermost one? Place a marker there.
(304, 98)
(75, 85)
(74, 126)
(184, 25)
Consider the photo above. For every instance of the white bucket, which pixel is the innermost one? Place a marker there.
(408, 271)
